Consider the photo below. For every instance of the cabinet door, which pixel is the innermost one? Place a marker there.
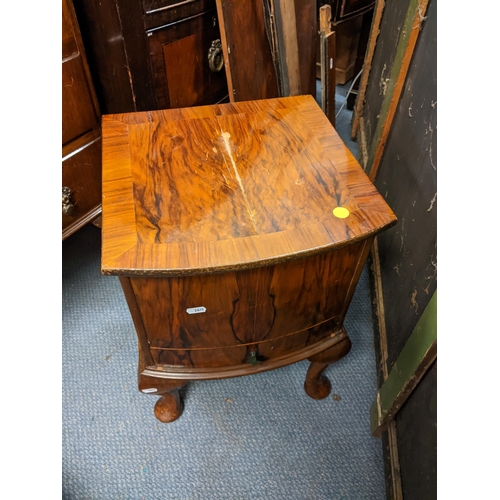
(78, 108)
(81, 134)
(179, 58)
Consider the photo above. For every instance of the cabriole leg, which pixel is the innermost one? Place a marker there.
(317, 386)
(169, 407)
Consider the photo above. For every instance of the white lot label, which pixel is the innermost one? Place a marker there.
(196, 310)
(149, 390)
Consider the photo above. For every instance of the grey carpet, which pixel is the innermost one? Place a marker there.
(257, 437)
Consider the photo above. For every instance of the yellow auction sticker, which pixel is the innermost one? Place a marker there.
(341, 212)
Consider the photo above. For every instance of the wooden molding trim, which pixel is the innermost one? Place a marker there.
(187, 373)
(404, 52)
(88, 217)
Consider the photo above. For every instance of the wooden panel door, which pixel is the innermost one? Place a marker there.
(181, 69)
(81, 151)
(79, 113)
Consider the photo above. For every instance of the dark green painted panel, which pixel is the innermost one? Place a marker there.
(407, 178)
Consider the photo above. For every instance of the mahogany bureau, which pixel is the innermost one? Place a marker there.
(239, 232)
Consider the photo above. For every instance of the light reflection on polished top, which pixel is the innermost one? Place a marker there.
(229, 186)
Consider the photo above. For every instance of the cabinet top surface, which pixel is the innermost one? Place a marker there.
(229, 186)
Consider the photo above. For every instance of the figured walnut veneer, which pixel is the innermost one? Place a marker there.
(229, 208)
(228, 187)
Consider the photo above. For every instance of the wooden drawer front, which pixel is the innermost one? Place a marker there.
(245, 354)
(78, 112)
(350, 7)
(81, 173)
(246, 307)
(179, 63)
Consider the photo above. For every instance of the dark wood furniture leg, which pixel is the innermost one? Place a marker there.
(169, 407)
(317, 386)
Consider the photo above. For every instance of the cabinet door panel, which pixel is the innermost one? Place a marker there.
(179, 63)
(78, 113)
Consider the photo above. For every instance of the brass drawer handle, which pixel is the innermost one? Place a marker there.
(215, 58)
(67, 205)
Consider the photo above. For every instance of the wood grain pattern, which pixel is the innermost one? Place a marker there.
(268, 310)
(228, 187)
(186, 372)
(218, 219)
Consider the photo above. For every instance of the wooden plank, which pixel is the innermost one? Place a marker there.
(414, 360)
(227, 62)
(327, 61)
(328, 75)
(288, 50)
(395, 486)
(389, 438)
(379, 310)
(367, 64)
(307, 38)
(391, 28)
(411, 29)
(251, 75)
